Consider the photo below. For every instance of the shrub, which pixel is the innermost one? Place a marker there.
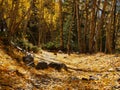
(24, 44)
(35, 49)
(51, 46)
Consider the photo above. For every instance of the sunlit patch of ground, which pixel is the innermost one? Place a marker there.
(97, 72)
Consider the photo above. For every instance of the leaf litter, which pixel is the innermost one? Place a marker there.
(97, 72)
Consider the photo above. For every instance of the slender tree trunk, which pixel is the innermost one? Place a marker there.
(69, 33)
(92, 29)
(41, 26)
(110, 32)
(86, 27)
(100, 27)
(69, 38)
(61, 25)
(78, 25)
(114, 27)
(96, 29)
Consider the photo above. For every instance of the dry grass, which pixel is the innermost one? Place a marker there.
(16, 76)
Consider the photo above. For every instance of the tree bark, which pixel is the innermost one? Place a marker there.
(114, 27)
(100, 27)
(61, 25)
(78, 25)
(92, 28)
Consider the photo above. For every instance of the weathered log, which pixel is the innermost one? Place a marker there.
(41, 65)
(58, 66)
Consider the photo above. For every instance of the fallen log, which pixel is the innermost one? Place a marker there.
(41, 65)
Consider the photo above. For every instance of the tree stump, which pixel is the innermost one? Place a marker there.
(29, 60)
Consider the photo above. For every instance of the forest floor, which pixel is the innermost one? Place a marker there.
(97, 72)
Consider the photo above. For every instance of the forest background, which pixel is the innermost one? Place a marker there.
(85, 26)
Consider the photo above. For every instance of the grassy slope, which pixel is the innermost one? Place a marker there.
(14, 75)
